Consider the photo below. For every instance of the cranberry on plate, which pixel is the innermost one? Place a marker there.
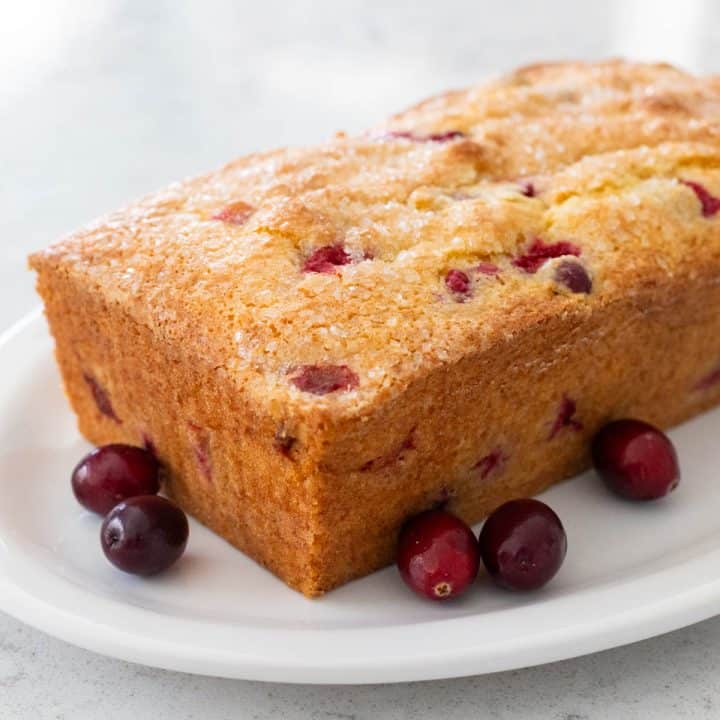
(636, 460)
(523, 544)
(144, 535)
(437, 555)
(112, 473)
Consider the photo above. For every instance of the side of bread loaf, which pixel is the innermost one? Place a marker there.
(319, 343)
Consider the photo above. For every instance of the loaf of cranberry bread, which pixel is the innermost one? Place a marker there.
(321, 342)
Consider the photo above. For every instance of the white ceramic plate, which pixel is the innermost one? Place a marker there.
(632, 571)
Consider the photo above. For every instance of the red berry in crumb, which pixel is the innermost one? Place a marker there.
(574, 276)
(324, 379)
(565, 417)
(326, 259)
(112, 473)
(237, 213)
(437, 555)
(144, 535)
(523, 544)
(438, 137)
(636, 460)
(539, 252)
(709, 203)
(487, 268)
(527, 188)
(459, 284)
(101, 397)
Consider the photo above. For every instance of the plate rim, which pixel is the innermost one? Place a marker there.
(434, 661)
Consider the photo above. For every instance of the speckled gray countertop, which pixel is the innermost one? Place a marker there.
(104, 100)
(670, 677)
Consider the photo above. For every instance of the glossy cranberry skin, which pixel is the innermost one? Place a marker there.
(112, 473)
(636, 460)
(437, 555)
(144, 535)
(523, 544)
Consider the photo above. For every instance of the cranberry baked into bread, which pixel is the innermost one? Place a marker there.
(320, 342)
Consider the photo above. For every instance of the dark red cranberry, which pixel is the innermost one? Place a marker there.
(237, 213)
(112, 473)
(395, 455)
(326, 259)
(527, 188)
(710, 204)
(144, 535)
(441, 137)
(324, 379)
(284, 442)
(636, 460)
(539, 252)
(443, 498)
(574, 276)
(101, 398)
(148, 444)
(491, 462)
(437, 555)
(710, 380)
(437, 137)
(200, 441)
(523, 544)
(565, 417)
(487, 268)
(459, 284)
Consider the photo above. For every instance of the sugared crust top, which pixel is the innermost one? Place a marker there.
(414, 244)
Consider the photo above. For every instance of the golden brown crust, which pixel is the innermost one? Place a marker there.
(219, 276)
(419, 208)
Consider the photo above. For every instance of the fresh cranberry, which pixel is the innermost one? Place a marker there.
(101, 398)
(326, 259)
(144, 535)
(539, 252)
(574, 276)
(237, 213)
(459, 284)
(565, 417)
(523, 544)
(437, 137)
(487, 268)
(437, 555)
(710, 204)
(324, 379)
(636, 460)
(112, 473)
